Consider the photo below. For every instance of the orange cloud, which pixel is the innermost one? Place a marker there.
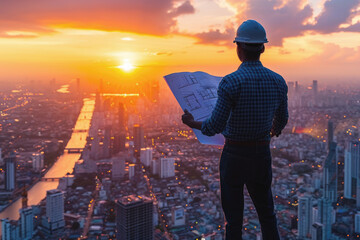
(139, 16)
(288, 18)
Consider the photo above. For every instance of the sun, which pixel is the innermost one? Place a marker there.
(127, 66)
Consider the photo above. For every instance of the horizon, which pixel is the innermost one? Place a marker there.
(308, 40)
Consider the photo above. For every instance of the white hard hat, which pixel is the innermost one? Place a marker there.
(251, 31)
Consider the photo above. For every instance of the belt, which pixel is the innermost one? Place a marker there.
(246, 143)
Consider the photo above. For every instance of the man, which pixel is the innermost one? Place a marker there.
(250, 109)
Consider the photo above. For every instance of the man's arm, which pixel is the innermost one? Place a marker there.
(281, 116)
(217, 122)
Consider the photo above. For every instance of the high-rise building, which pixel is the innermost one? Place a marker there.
(146, 156)
(357, 222)
(121, 115)
(304, 216)
(325, 216)
(10, 229)
(352, 171)
(26, 223)
(134, 218)
(118, 167)
(118, 143)
(178, 216)
(291, 86)
(315, 215)
(1, 158)
(54, 210)
(10, 172)
(38, 161)
(315, 88)
(131, 171)
(330, 132)
(297, 87)
(155, 166)
(167, 167)
(138, 138)
(330, 173)
(155, 215)
(317, 231)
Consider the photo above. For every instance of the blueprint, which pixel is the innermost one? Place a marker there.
(196, 92)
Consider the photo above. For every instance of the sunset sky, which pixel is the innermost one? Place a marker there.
(123, 40)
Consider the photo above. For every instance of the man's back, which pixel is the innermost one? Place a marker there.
(249, 99)
(257, 92)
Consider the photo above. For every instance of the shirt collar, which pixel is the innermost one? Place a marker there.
(251, 64)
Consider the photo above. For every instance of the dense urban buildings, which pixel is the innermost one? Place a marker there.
(114, 154)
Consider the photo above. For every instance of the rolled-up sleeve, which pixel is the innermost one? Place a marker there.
(281, 115)
(216, 123)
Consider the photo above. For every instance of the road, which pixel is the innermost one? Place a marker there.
(91, 209)
(162, 218)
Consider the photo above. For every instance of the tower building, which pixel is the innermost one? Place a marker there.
(10, 172)
(134, 218)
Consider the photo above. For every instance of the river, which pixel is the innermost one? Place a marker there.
(63, 165)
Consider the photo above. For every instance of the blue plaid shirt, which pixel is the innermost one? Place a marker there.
(251, 101)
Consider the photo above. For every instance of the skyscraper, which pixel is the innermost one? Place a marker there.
(155, 166)
(315, 89)
(352, 170)
(38, 161)
(10, 172)
(330, 173)
(357, 222)
(54, 210)
(121, 115)
(10, 229)
(167, 167)
(26, 223)
(146, 156)
(297, 88)
(134, 218)
(118, 167)
(138, 138)
(330, 131)
(1, 158)
(131, 171)
(325, 217)
(118, 143)
(304, 216)
(317, 231)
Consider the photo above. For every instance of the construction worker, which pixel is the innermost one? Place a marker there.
(250, 109)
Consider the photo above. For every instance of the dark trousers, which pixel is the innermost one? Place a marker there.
(250, 166)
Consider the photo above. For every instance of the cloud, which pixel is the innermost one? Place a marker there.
(334, 54)
(287, 18)
(184, 8)
(335, 13)
(215, 36)
(139, 16)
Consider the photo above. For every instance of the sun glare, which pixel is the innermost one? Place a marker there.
(127, 66)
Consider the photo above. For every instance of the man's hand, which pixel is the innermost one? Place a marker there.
(187, 118)
(273, 133)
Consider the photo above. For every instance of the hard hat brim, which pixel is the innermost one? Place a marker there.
(239, 40)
